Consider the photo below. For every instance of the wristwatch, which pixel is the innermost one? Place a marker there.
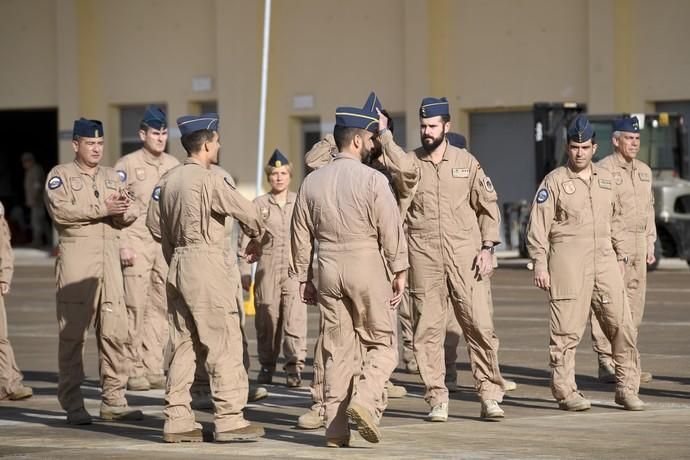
(491, 249)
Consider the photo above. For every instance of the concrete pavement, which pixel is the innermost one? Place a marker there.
(533, 428)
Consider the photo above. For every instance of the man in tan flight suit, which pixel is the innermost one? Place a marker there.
(573, 232)
(452, 223)
(634, 180)
(349, 209)
(281, 317)
(11, 387)
(201, 388)
(89, 206)
(143, 266)
(194, 203)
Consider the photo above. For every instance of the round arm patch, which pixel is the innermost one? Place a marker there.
(54, 182)
(542, 195)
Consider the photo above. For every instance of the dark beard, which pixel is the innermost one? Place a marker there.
(428, 148)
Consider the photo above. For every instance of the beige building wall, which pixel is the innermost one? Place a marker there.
(91, 57)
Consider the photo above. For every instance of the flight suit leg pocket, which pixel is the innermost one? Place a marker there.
(113, 321)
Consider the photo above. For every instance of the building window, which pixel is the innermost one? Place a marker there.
(130, 119)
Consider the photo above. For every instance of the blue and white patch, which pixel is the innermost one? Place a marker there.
(156, 195)
(54, 182)
(122, 174)
(542, 195)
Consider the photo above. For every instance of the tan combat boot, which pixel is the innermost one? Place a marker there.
(240, 434)
(79, 417)
(574, 402)
(366, 426)
(120, 413)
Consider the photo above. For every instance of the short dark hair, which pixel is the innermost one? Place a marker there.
(343, 135)
(143, 126)
(445, 118)
(192, 142)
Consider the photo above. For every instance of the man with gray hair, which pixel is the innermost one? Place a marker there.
(634, 179)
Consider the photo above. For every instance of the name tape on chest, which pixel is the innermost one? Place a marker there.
(54, 183)
(110, 184)
(461, 172)
(605, 183)
(644, 176)
(542, 196)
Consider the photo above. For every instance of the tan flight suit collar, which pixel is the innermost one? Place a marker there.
(150, 158)
(81, 170)
(192, 160)
(622, 162)
(346, 155)
(288, 200)
(573, 175)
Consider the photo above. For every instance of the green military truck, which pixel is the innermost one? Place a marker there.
(663, 146)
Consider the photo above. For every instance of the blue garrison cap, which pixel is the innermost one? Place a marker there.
(580, 129)
(354, 117)
(373, 103)
(154, 118)
(432, 107)
(191, 123)
(278, 159)
(627, 124)
(457, 140)
(87, 128)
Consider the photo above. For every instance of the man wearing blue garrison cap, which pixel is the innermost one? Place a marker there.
(194, 202)
(349, 209)
(143, 266)
(89, 205)
(574, 229)
(634, 179)
(452, 219)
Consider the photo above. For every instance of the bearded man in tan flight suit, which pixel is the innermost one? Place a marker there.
(143, 266)
(634, 180)
(11, 386)
(281, 317)
(452, 222)
(89, 206)
(349, 209)
(573, 239)
(202, 301)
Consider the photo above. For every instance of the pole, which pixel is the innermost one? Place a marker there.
(262, 107)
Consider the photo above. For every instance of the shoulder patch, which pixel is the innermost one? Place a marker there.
(54, 182)
(156, 195)
(122, 174)
(488, 185)
(229, 182)
(542, 195)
